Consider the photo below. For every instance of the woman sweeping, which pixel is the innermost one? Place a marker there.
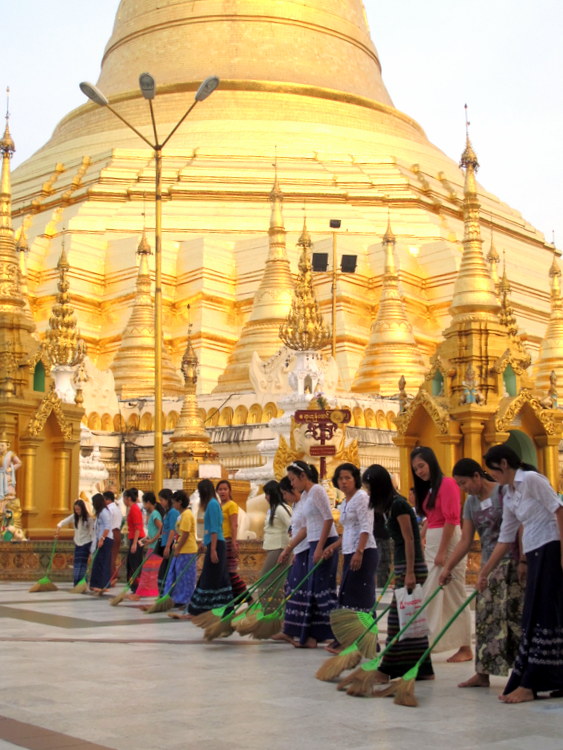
(498, 612)
(167, 534)
(320, 532)
(437, 498)
(213, 587)
(296, 607)
(102, 544)
(357, 589)
(276, 537)
(181, 578)
(410, 569)
(529, 500)
(83, 534)
(230, 531)
(148, 582)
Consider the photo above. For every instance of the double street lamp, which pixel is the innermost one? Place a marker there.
(148, 90)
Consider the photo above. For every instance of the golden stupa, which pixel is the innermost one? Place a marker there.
(301, 86)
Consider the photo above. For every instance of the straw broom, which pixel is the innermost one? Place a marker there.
(244, 622)
(349, 625)
(205, 619)
(82, 585)
(225, 626)
(349, 658)
(268, 625)
(165, 602)
(122, 594)
(405, 690)
(362, 680)
(45, 583)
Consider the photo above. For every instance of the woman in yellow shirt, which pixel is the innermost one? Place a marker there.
(182, 571)
(230, 529)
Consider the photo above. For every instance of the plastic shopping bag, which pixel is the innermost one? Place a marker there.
(407, 606)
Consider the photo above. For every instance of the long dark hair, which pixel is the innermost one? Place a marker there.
(300, 467)
(496, 453)
(422, 488)
(275, 499)
(83, 515)
(206, 492)
(166, 495)
(380, 486)
(149, 497)
(467, 467)
(98, 502)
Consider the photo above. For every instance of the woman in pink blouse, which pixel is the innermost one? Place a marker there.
(438, 501)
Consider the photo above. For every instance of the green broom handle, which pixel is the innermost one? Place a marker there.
(255, 604)
(50, 564)
(170, 558)
(440, 635)
(185, 569)
(279, 609)
(374, 663)
(372, 625)
(250, 589)
(136, 572)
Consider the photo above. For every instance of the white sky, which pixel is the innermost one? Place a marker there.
(503, 57)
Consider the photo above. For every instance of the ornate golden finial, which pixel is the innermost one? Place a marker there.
(7, 145)
(304, 329)
(474, 289)
(190, 362)
(63, 345)
(506, 315)
(276, 199)
(493, 258)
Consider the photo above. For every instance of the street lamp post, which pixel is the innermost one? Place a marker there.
(148, 90)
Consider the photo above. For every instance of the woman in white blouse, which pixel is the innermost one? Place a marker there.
(530, 501)
(320, 532)
(276, 537)
(83, 534)
(359, 550)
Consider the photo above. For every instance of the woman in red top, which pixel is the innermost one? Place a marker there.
(438, 501)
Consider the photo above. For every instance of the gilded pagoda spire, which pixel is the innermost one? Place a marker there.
(392, 351)
(304, 329)
(473, 290)
(22, 248)
(190, 442)
(493, 259)
(63, 345)
(11, 298)
(270, 306)
(506, 314)
(550, 357)
(133, 365)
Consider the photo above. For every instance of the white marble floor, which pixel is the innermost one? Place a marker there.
(121, 679)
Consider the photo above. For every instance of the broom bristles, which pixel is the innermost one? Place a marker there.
(267, 627)
(389, 690)
(349, 679)
(348, 625)
(367, 646)
(220, 629)
(205, 619)
(162, 604)
(333, 667)
(405, 694)
(43, 584)
(119, 598)
(246, 625)
(80, 587)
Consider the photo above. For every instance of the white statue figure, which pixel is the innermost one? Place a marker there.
(9, 464)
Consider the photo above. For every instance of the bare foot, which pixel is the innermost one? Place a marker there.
(334, 647)
(380, 678)
(133, 597)
(464, 654)
(283, 637)
(178, 616)
(478, 680)
(309, 643)
(520, 695)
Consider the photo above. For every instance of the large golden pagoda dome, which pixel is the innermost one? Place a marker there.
(302, 78)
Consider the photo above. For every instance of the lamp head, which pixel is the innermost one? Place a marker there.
(147, 85)
(94, 94)
(206, 88)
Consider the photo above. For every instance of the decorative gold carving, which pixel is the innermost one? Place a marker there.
(305, 330)
(285, 454)
(437, 412)
(63, 345)
(51, 403)
(508, 411)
